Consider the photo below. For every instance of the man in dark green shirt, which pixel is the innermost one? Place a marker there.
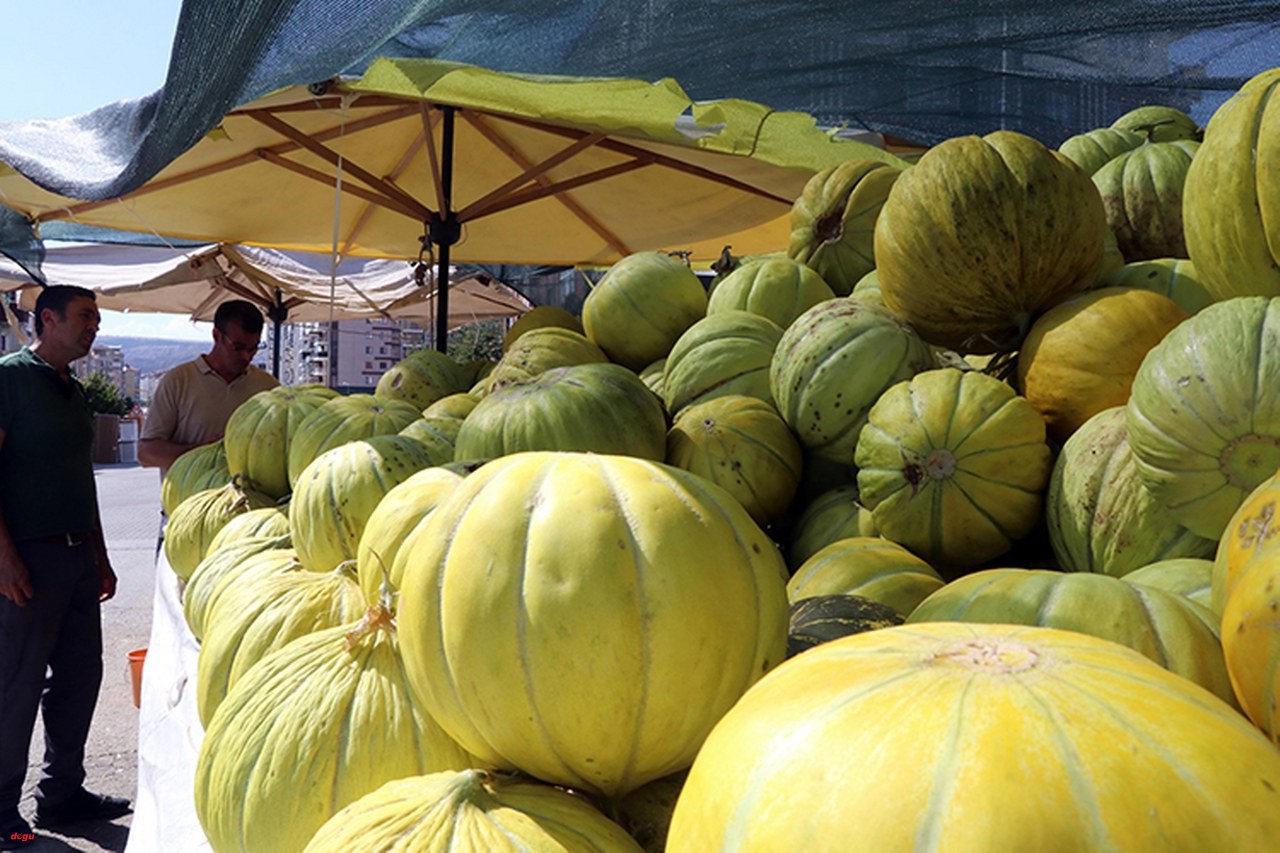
(54, 569)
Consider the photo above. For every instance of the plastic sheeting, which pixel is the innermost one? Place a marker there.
(169, 729)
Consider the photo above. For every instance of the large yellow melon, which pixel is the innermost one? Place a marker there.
(587, 618)
(978, 738)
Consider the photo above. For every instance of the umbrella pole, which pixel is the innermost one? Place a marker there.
(444, 230)
(277, 314)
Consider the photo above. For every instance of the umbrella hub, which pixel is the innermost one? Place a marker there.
(443, 230)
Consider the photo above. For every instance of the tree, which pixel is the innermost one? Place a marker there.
(477, 341)
(104, 397)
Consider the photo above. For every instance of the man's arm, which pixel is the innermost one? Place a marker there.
(105, 572)
(15, 583)
(160, 452)
(156, 447)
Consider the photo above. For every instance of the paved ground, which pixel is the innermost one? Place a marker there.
(129, 499)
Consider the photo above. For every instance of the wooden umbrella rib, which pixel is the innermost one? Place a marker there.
(75, 210)
(433, 156)
(529, 171)
(620, 147)
(321, 150)
(558, 188)
(476, 211)
(393, 204)
(366, 213)
(247, 158)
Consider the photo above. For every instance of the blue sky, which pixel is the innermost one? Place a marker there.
(65, 57)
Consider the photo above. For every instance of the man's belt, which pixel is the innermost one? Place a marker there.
(71, 540)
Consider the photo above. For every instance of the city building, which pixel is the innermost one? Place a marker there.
(346, 355)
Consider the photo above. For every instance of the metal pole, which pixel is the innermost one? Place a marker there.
(444, 230)
(277, 313)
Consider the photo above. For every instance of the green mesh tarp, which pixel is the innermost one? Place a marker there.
(919, 71)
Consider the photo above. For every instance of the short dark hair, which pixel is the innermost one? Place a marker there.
(243, 313)
(56, 297)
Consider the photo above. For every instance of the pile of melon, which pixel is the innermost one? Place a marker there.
(950, 524)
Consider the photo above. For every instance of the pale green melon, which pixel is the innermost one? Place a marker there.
(724, 353)
(1231, 201)
(598, 408)
(1093, 149)
(742, 445)
(345, 419)
(1204, 414)
(421, 378)
(831, 366)
(641, 306)
(779, 288)
(1175, 278)
(336, 494)
(834, 219)
(1100, 517)
(1163, 626)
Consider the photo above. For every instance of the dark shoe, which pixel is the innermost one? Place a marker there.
(80, 806)
(15, 833)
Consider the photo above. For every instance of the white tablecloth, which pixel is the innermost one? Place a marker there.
(169, 730)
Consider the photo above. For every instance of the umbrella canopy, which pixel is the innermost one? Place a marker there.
(292, 286)
(194, 281)
(472, 165)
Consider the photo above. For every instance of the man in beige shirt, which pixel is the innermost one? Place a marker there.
(194, 400)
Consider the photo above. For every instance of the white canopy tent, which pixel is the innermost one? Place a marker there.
(288, 286)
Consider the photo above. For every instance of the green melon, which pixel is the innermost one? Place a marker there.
(1189, 577)
(421, 378)
(541, 317)
(1093, 149)
(1175, 278)
(742, 445)
(537, 351)
(344, 419)
(721, 354)
(1142, 193)
(200, 468)
(1204, 414)
(833, 221)
(779, 289)
(437, 435)
(1100, 517)
(1231, 201)
(641, 306)
(832, 515)
(982, 235)
(338, 491)
(824, 618)
(259, 432)
(598, 408)
(1165, 627)
(831, 366)
(195, 523)
(953, 465)
(1158, 123)
(869, 567)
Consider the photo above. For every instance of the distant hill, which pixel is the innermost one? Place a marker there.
(151, 355)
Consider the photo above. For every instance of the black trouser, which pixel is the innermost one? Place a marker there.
(51, 660)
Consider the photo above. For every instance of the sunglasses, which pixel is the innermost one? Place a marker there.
(240, 348)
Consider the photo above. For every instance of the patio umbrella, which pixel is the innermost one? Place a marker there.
(447, 163)
(288, 286)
